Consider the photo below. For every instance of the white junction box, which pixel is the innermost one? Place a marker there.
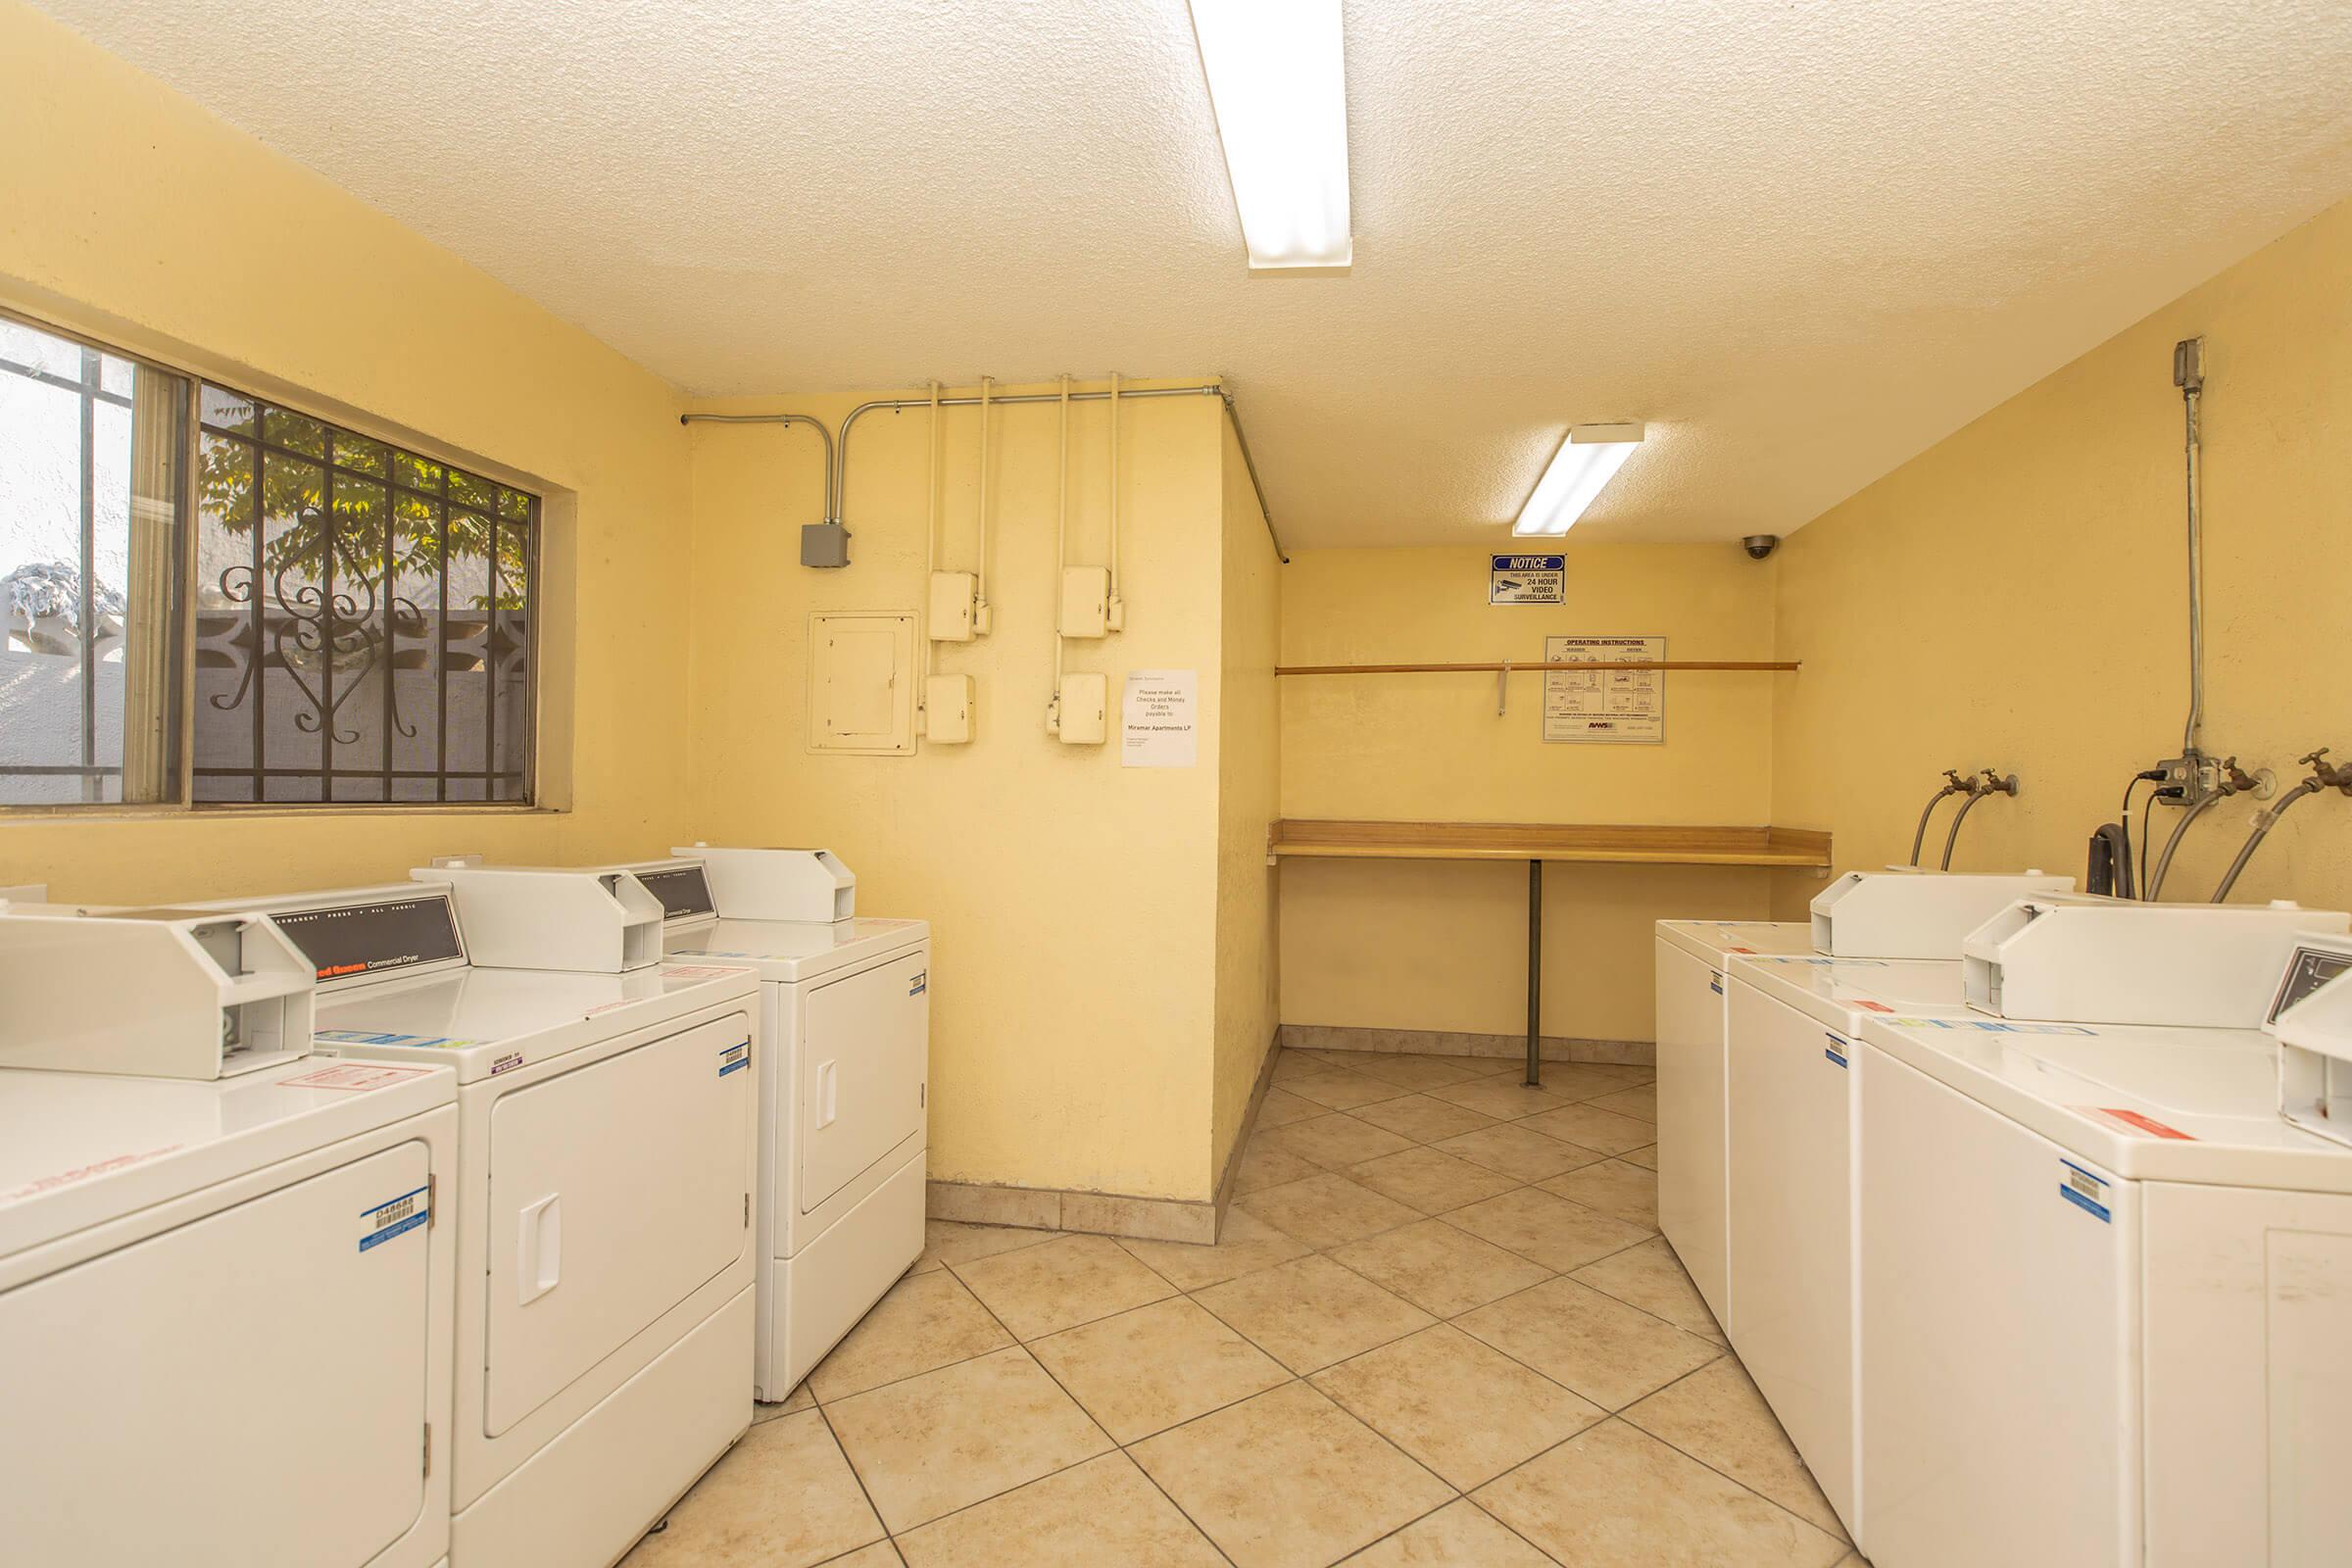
(951, 597)
(1903, 912)
(545, 917)
(1085, 710)
(1085, 602)
(947, 709)
(2312, 1018)
(806, 886)
(156, 993)
(2200, 966)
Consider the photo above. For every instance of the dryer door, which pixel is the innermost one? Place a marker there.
(616, 1191)
(254, 1380)
(864, 1049)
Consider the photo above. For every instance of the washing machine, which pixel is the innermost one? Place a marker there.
(1792, 1129)
(1690, 995)
(2104, 1288)
(225, 1299)
(606, 1172)
(844, 1096)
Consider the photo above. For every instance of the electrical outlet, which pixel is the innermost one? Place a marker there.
(2188, 778)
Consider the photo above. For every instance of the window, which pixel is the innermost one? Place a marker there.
(91, 459)
(350, 621)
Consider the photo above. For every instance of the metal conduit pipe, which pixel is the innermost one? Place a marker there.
(2164, 861)
(841, 471)
(2188, 374)
(831, 515)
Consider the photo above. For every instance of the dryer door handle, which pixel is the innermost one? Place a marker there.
(539, 1259)
(828, 1093)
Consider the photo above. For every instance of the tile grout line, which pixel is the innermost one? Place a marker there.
(856, 1475)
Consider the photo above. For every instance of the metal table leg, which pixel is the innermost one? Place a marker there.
(1535, 974)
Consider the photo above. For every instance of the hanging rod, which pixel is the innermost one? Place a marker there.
(1534, 667)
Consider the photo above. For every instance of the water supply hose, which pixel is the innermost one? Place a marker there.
(2164, 861)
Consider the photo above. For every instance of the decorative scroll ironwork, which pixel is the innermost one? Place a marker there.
(327, 523)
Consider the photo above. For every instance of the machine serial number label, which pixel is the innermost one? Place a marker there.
(735, 1059)
(2084, 1190)
(396, 1217)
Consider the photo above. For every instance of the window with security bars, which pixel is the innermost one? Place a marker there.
(214, 599)
(363, 617)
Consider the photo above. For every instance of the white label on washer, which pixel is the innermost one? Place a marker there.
(735, 1059)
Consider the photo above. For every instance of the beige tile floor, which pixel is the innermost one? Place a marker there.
(1439, 1328)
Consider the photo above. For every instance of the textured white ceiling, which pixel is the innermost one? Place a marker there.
(1802, 240)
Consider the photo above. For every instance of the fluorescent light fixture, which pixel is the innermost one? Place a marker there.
(1580, 470)
(1280, 90)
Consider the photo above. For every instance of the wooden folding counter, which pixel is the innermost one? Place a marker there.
(1539, 842)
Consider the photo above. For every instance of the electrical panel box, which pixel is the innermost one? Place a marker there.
(947, 709)
(951, 595)
(1085, 710)
(861, 683)
(1085, 602)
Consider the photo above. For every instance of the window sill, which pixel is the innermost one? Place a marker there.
(286, 809)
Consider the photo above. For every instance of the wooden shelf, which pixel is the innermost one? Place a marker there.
(1617, 843)
(1536, 667)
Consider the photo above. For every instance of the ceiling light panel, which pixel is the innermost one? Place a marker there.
(1279, 86)
(1588, 459)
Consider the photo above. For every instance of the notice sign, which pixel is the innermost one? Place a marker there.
(1616, 706)
(1157, 718)
(1527, 580)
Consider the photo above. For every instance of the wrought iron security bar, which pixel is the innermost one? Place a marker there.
(331, 565)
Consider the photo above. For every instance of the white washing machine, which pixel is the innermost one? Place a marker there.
(225, 1321)
(1690, 999)
(844, 1118)
(607, 1167)
(1794, 1127)
(2104, 1300)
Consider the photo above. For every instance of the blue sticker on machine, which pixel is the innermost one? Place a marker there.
(362, 1037)
(2084, 1190)
(396, 1216)
(1715, 984)
(919, 984)
(734, 1058)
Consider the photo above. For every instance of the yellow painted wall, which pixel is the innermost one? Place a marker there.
(1248, 800)
(1441, 945)
(1075, 901)
(2016, 596)
(136, 217)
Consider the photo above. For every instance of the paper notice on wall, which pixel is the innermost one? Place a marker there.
(1159, 718)
(1614, 705)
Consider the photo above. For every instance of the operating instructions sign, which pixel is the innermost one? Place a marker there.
(1527, 580)
(1617, 707)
